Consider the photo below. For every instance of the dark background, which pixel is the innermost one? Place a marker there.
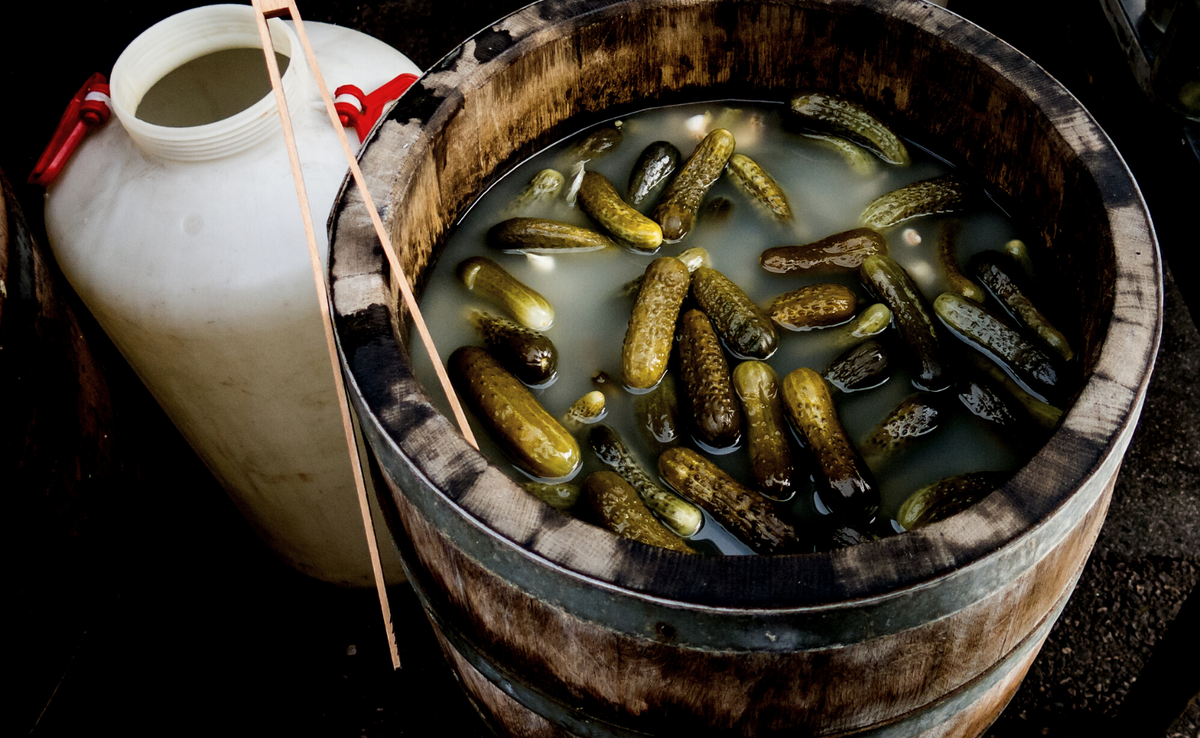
(161, 613)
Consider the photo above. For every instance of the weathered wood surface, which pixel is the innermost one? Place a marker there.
(642, 638)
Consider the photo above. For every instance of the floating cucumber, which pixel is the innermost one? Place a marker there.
(927, 197)
(679, 515)
(946, 497)
(715, 413)
(654, 167)
(561, 496)
(752, 179)
(999, 273)
(983, 330)
(815, 306)
(601, 201)
(845, 484)
(746, 514)
(916, 416)
(656, 414)
(1019, 253)
(531, 356)
(746, 331)
(613, 504)
(488, 279)
(676, 209)
(535, 441)
(693, 259)
(839, 116)
(860, 367)
(913, 318)
(651, 330)
(856, 157)
(596, 144)
(991, 402)
(586, 410)
(870, 321)
(948, 258)
(1045, 415)
(771, 463)
(845, 250)
(542, 236)
(542, 186)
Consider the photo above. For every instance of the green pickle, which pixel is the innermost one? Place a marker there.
(860, 161)
(862, 367)
(841, 117)
(745, 513)
(543, 236)
(586, 410)
(1000, 274)
(946, 497)
(752, 179)
(613, 504)
(488, 279)
(651, 330)
(656, 414)
(948, 258)
(676, 208)
(771, 462)
(846, 250)
(680, 516)
(653, 169)
(533, 439)
(747, 332)
(561, 496)
(815, 306)
(531, 356)
(601, 201)
(544, 185)
(870, 322)
(928, 197)
(715, 413)
(913, 318)
(692, 258)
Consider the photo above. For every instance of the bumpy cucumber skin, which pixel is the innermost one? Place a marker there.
(543, 185)
(531, 356)
(562, 496)
(771, 463)
(948, 258)
(851, 121)
(588, 409)
(654, 167)
(715, 412)
(860, 367)
(488, 279)
(679, 515)
(656, 414)
(1043, 414)
(928, 197)
(693, 258)
(946, 497)
(999, 273)
(676, 209)
(533, 439)
(600, 200)
(815, 306)
(913, 318)
(613, 504)
(846, 485)
(543, 236)
(916, 416)
(651, 330)
(983, 330)
(752, 179)
(841, 251)
(746, 514)
(746, 330)
(598, 143)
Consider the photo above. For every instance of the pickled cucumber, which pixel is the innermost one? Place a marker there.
(586, 410)
(490, 280)
(928, 197)
(542, 186)
(612, 503)
(815, 306)
(693, 259)
(845, 484)
(745, 513)
(542, 236)
(860, 367)
(1019, 252)
(916, 416)
(654, 167)
(1043, 414)
(948, 258)
(596, 144)
(870, 321)
(715, 413)
(651, 330)
(839, 116)
(913, 319)
(752, 179)
(999, 273)
(845, 250)
(946, 497)
(676, 209)
(601, 201)
(561, 496)
(767, 441)
(656, 414)
(531, 356)
(679, 515)
(860, 161)
(746, 331)
(533, 439)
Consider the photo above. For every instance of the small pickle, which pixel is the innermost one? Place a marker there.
(515, 419)
(913, 318)
(656, 414)
(586, 410)
(601, 201)
(946, 497)
(543, 186)
(916, 416)
(693, 259)
(991, 402)
(856, 157)
(488, 279)
(999, 274)
(596, 144)
(1045, 415)
(815, 306)
(984, 331)
(860, 367)
(613, 504)
(746, 514)
(715, 413)
(1019, 252)
(531, 356)
(870, 321)
(746, 331)
(845, 484)
(676, 209)
(836, 115)
(651, 331)
(927, 197)
(771, 463)
(841, 251)
(542, 236)
(679, 515)
(653, 168)
(752, 179)
(562, 496)
(948, 258)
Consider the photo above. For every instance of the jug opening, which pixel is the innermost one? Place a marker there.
(209, 88)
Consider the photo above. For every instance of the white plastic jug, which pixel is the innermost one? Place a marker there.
(188, 246)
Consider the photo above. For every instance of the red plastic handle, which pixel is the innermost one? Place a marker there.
(89, 108)
(364, 115)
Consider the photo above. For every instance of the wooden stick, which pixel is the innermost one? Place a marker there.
(311, 235)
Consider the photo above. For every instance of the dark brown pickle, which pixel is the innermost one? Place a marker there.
(860, 367)
(915, 417)
(1003, 278)
(815, 306)
(531, 356)
(716, 414)
(913, 319)
(745, 329)
(654, 168)
(841, 251)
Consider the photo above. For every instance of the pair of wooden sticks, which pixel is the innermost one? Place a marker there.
(265, 9)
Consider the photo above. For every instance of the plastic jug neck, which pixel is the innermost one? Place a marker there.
(173, 42)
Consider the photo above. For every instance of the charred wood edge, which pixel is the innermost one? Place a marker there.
(1022, 501)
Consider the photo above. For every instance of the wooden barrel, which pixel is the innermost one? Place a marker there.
(560, 628)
